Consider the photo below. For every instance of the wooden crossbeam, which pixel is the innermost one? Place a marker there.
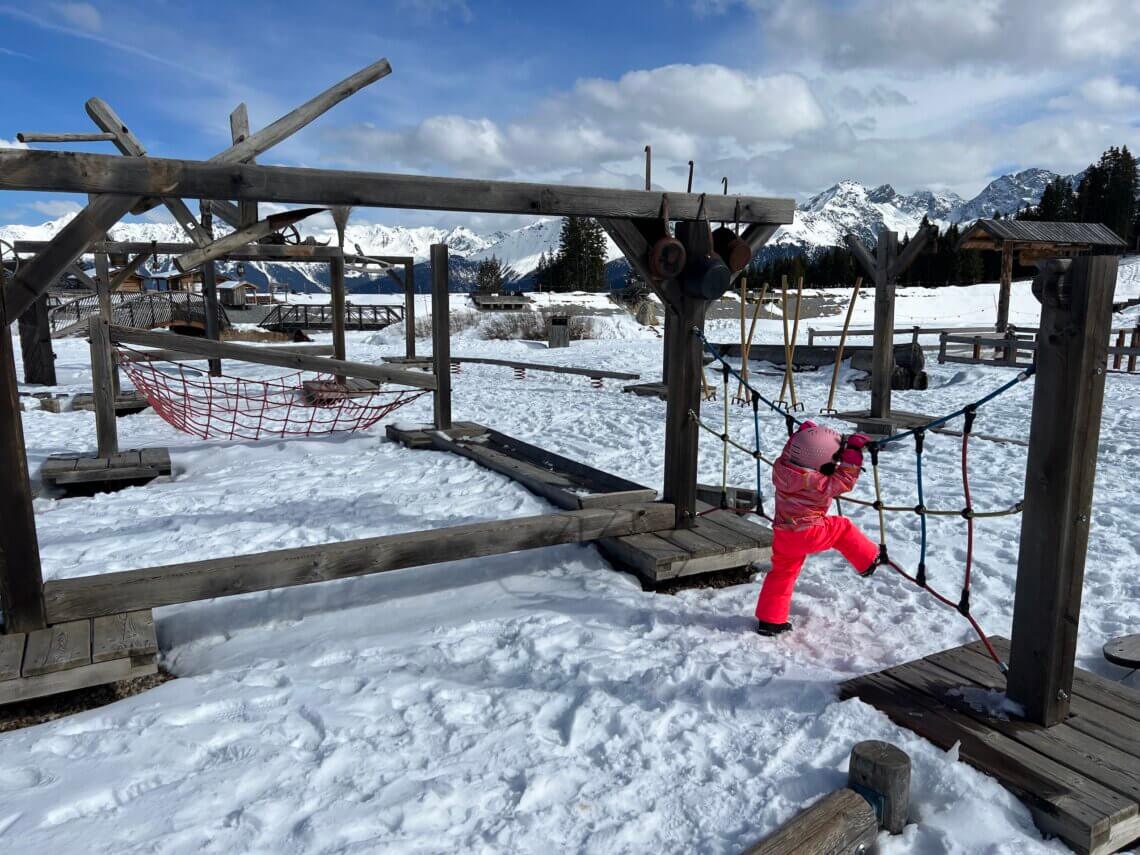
(235, 240)
(73, 172)
(256, 252)
(265, 356)
(64, 138)
(239, 132)
(130, 267)
(131, 590)
(126, 142)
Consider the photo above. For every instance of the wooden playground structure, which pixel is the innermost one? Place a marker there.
(1074, 757)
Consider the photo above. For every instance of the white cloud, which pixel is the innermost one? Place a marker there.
(1106, 93)
(440, 8)
(55, 208)
(683, 111)
(81, 15)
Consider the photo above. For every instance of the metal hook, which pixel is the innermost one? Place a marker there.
(648, 167)
(690, 187)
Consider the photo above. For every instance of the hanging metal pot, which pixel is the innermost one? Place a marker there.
(667, 255)
(706, 274)
(728, 245)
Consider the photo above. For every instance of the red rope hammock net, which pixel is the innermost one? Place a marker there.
(228, 407)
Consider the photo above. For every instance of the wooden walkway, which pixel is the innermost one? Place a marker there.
(1080, 779)
(719, 541)
(76, 654)
(87, 473)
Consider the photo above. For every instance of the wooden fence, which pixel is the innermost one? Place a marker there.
(1017, 349)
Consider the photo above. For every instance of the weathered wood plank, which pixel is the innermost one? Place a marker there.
(82, 677)
(1123, 651)
(60, 138)
(11, 655)
(133, 590)
(57, 648)
(266, 356)
(124, 635)
(643, 552)
(596, 373)
(72, 172)
(35, 344)
(173, 355)
(103, 386)
(840, 822)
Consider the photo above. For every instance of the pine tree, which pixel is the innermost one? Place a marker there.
(581, 261)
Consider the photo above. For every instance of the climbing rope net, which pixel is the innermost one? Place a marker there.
(229, 407)
(967, 413)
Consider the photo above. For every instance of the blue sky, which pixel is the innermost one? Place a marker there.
(783, 96)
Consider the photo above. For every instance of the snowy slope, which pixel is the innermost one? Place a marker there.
(510, 703)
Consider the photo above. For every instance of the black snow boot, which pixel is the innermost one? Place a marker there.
(771, 629)
(870, 571)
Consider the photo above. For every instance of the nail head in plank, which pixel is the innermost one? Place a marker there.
(124, 635)
(58, 648)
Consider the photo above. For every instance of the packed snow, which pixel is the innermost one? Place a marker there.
(509, 703)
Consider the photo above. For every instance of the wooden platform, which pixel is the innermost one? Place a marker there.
(127, 403)
(898, 420)
(1080, 779)
(648, 390)
(323, 393)
(84, 473)
(719, 541)
(563, 482)
(76, 655)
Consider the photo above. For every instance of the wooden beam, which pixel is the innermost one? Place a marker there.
(73, 172)
(685, 367)
(595, 373)
(103, 386)
(175, 355)
(35, 344)
(1005, 285)
(61, 138)
(840, 822)
(129, 268)
(257, 252)
(635, 248)
(441, 335)
(336, 286)
(21, 580)
(409, 309)
(863, 256)
(883, 350)
(907, 257)
(126, 142)
(234, 241)
(132, 590)
(266, 356)
(82, 275)
(239, 132)
(1064, 435)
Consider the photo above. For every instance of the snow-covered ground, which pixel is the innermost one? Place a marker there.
(515, 703)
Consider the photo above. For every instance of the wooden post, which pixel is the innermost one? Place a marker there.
(883, 351)
(103, 290)
(1117, 359)
(684, 368)
(410, 309)
(1005, 285)
(21, 580)
(441, 335)
(1133, 343)
(35, 344)
(667, 325)
(942, 347)
(336, 286)
(210, 291)
(103, 386)
(880, 773)
(239, 133)
(1064, 434)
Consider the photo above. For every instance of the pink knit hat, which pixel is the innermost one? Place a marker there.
(812, 445)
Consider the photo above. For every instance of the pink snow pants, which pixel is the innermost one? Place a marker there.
(790, 548)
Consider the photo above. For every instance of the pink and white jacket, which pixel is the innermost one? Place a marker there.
(804, 496)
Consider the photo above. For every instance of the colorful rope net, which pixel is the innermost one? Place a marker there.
(229, 407)
(968, 414)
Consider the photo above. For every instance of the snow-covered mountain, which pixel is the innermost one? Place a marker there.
(823, 220)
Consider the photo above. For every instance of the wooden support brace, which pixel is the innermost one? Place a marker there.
(441, 335)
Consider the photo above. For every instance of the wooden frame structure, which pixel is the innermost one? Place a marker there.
(136, 182)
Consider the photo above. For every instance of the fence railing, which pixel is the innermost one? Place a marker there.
(320, 316)
(1016, 348)
(138, 311)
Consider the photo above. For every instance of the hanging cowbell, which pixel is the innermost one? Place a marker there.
(706, 274)
(728, 245)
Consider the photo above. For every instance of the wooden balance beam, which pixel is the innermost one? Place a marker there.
(133, 590)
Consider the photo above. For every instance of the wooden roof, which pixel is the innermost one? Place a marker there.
(991, 234)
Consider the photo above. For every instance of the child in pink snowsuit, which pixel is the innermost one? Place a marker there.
(815, 466)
